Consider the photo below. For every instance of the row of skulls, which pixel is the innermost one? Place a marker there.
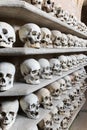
(57, 11)
(34, 36)
(32, 70)
(69, 101)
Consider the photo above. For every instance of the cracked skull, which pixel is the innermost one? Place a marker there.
(7, 35)
(30, 34)
(30, 105)
(7, 72)
(30, 70)
(45, 71)
(8, 113)
(45, 98)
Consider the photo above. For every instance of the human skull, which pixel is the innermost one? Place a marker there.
(60, 13)
(30, 34)
(62, 84)
(56, 38)
(64, 123)
(55, 66)
(7, 72)
(76, 76)
(7, 35)
(66, 99)
(46, 123)
(60, 106)
(30, 105)
(69, 62)
(8, 113)
(30, 70)
(68, 82)
(70, 40)
(45, 98)
(46, 38)
(37, 3)
(74, 60)
(48, 6)
(63, 62)
(54, 89)
(45, 71)
(64, 40)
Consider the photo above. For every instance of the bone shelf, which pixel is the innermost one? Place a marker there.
(33, 51)
(75, 114)
(24, 123)
(29, 13)
(21, 89)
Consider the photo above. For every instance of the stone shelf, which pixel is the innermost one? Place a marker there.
(28, 13)
(33, 51)
(75, 114)
(21, 89)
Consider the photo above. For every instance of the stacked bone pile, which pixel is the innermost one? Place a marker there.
(34, 36)
(50, 7)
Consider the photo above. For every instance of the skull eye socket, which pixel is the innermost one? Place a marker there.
(39, 2)
(3, 114)
(34, 72)
(11, 113)
(9, 75)
(1, 75)
(48, 2)
(57, 90)
(4, 31)
(46, 98)
(48, 36)
(33, 106)
(34, 33)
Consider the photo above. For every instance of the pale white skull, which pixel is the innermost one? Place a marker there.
(64, 40)
(70, 40)
(63, 62)
(8, 113)
(60, 13)
(60, 106)
(55, 116)
(7, 72)
(76, 76)
(69, 62)
(56, 38)
(64, 123)
(30, 34)
(76, 41)
(45, 71)
(37, 3)
(55, 66)
(54, 89)
(7, 35)
(74, 60)
(62, 84)
(30, 70)
(46, 39)
(30, 105)
(66, 99)
(46, 123)
(48, 6)
(68, 82)
(45, 98)
(75, 104)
